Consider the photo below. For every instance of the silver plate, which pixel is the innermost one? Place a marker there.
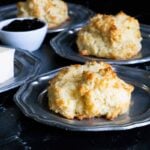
(79, 15)
(31, 98)
(25, 66)
(65, 46)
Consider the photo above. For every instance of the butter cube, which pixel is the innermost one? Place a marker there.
(6, 63)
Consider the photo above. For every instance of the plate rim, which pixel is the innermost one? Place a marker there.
(39, 118)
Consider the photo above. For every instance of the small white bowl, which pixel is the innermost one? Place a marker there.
(29, 40)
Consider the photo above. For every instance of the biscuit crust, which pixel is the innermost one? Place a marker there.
(87, 91)
(108, 36)
(54, 12)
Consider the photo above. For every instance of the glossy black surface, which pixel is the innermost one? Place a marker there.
(18, 132)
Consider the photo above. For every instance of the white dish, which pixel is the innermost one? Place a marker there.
(29, 40)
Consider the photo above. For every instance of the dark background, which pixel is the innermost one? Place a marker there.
(107, 6)
(138, 8)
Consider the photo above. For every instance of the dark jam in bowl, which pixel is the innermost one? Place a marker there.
(23, 25)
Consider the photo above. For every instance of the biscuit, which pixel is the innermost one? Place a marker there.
(54, 12)
(87, 91)
(108, 36)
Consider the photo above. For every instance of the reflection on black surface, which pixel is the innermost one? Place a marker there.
(9, 127)
(39, 136)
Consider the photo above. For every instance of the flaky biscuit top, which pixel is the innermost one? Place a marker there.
(54, 12)
(110, 36)
(90, 90)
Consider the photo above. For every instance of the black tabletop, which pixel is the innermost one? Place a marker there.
(20, 132)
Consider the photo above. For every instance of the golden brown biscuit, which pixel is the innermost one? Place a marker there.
(89, 90)
(54, 12)
(108, 36)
